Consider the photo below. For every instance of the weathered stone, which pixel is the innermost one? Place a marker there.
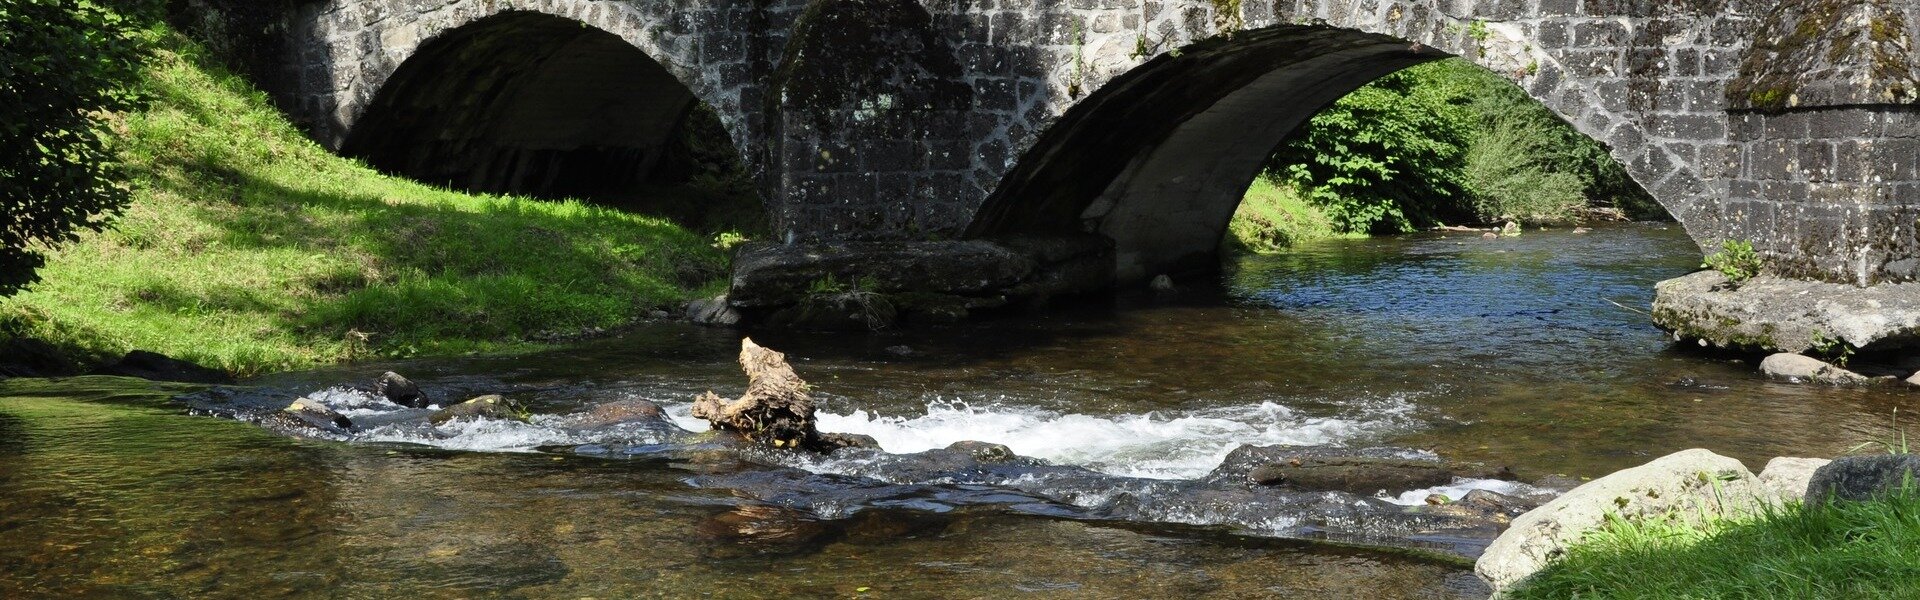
(1686, 485)
(1162, 283)
(1914, 379)
(1788, 477)
(712, 311)
(1859, 478)
(617, 413)
(490, 406)
(766, 275)
(157, 367)
(1799, 368)
(1783, 315)
(400, 390)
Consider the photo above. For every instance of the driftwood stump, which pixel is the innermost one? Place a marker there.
(775, 410)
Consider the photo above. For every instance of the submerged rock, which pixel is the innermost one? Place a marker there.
(1358, 475)
(400, 390)
(1788, 477)
(158, 367)
(1860, 478)
(490, 406)
(1798, 368)
(1689, 485)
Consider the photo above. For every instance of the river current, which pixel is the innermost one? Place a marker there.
(1527, 353)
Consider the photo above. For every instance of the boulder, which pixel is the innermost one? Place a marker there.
(834, 441)
(713, 311)
(619, 412)
(400, 390)
(1497, 503)
(490, 406)
(157, 367)
(1686, 485)
(1798, 368)
(1776, 314)
(1914, 380)
(1162, 283)
(1862, 477)
(1788, 477)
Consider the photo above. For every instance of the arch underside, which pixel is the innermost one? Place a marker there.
(1158, 159)
(526, 103)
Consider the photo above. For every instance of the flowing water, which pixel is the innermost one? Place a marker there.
(1506, 352)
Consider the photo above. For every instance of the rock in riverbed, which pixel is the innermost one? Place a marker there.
(399, 390)
(1688, 485)
(490, 406)
(1795, 367)
(306, 415)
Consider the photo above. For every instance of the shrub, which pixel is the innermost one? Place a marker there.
(1735, 259)
(65, 67)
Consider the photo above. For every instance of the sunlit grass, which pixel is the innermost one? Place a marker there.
(250, 248)
(1837, 550)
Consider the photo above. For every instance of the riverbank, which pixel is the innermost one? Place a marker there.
(249, 248)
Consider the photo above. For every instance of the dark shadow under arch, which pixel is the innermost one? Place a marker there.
(533, 104)
(1159, 158)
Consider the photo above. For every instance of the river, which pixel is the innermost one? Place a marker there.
(1519, 352)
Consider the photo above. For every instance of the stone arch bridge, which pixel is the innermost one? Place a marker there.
(991, 146)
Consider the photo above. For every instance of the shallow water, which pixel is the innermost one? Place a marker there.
(1504, 352)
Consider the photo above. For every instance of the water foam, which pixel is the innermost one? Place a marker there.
(1177, 445)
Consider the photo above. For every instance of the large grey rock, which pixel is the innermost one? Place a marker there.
(1787, 476)
(1786, 315)
(1798, 368)
(1686, 485)
(1862, 477)
(1914, 380)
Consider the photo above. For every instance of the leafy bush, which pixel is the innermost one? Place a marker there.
(1735, 259)
(65, 67)
(1386, 158)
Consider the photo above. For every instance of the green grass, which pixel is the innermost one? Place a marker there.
(1839, 550)
(250, 248)
(1273, 217)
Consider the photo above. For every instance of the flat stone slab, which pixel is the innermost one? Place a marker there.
(1771, 314)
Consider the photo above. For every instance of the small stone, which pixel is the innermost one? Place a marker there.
(1580, 230)
(1438, 499)
(1162, 283)
(902, 350)
(313, 414)
(984, 451)
(1915, 379)
(1799, 368)
(660, 314)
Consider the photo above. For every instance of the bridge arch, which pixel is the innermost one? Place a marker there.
(547, 98)
(1159, 157)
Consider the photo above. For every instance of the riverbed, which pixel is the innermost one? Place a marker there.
(1526, 352)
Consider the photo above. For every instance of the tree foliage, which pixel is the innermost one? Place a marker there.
(1448, 142)
(66, 67)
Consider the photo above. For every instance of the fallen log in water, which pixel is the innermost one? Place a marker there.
(775, 410)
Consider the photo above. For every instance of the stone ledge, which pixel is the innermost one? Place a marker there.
(1771, 314)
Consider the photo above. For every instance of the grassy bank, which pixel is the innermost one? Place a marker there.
(249, 248)
(1840, 550)
(1273, 217)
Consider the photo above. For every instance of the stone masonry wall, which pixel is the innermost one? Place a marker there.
(902, 119)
